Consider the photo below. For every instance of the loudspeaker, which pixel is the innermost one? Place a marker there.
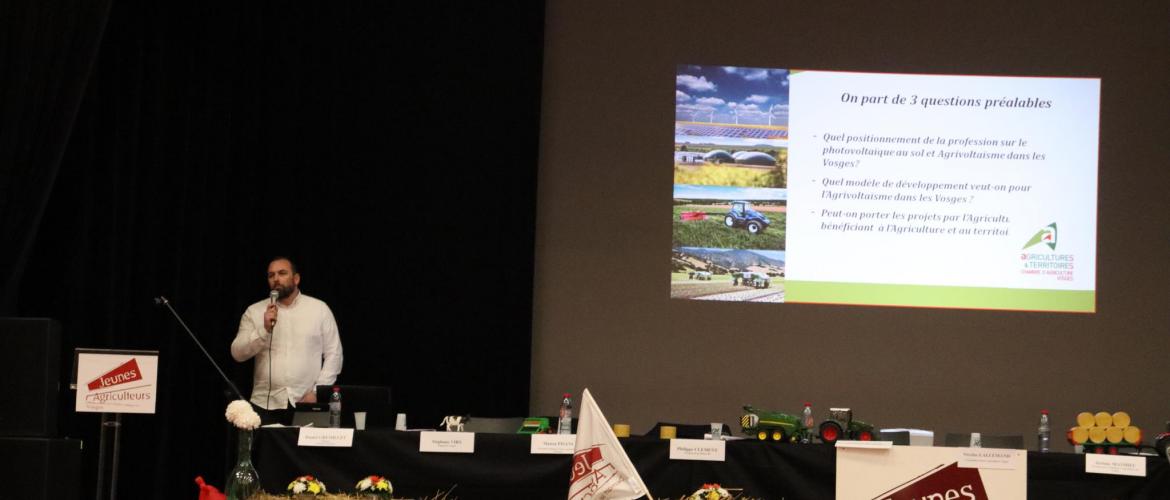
(39, 468)
(29, 376)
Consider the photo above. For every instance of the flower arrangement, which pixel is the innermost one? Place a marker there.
(377, 485)
(711, 491)
(241, 415)
(306, 485)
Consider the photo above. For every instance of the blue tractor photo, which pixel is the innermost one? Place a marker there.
(742, 215)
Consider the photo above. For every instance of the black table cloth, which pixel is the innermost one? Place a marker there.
(502, 467)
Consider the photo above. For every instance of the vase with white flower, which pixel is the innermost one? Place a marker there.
(243, 481)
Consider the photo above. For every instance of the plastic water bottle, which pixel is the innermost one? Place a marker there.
(335, 408)
(1044, 433)
(565, 421)
(807, 421)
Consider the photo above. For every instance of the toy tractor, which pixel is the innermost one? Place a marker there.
(840, 425)
(742, 215)
(534, 425)
(765, 425)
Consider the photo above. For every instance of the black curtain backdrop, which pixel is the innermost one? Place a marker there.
(390, 148)
(47, 51)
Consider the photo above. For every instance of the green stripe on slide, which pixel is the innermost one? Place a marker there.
(940, 296)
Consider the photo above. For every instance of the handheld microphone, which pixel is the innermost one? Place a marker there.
(272, 296)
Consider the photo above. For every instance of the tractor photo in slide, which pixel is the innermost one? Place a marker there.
(771, 425)
(742, 215)
(840, 425)
(751, 278)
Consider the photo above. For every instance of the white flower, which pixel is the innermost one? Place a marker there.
(241, 414)
(364, 484)
(299, 487)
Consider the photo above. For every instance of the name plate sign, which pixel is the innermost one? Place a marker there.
(552, 444)
(1119, 465)
(446, 442)
(698, 449)
(325, 436)
(991, 458)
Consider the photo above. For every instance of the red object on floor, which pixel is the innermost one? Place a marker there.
(207, 491)
(693, 216)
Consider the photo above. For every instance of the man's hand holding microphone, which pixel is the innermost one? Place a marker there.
(270, 313)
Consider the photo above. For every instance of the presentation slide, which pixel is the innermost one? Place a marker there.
(912, 190)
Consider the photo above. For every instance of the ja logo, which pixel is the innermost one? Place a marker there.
(1046, 236)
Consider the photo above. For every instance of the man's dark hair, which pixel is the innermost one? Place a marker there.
(291, 263)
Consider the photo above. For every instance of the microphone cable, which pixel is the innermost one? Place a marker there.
(272, 296)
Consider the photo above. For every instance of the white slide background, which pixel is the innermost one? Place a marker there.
(1059, 172)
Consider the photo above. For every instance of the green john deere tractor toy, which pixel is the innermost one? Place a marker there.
(840, 425)
(774, 425)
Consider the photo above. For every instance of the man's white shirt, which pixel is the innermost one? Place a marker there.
(306, 350)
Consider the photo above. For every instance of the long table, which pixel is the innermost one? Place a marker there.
(502, 467)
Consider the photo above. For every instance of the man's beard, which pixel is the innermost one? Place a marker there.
(284, 291)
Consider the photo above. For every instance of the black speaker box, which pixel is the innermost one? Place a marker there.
(40, 468)
(29, 376)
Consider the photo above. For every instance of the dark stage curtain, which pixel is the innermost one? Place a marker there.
(390, 148)
(48, 50)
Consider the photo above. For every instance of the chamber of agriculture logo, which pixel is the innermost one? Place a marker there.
(1047, 263)
(1046, 236)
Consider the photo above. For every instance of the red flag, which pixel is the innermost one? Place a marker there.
(207, 491)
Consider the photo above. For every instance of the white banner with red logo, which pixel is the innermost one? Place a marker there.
(601, 468)
(919, 472)
(113, 382)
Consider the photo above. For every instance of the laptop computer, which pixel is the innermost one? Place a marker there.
(315, 414)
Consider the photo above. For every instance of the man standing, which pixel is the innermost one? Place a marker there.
(294, 341)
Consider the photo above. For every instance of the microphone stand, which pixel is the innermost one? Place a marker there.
(160, 300)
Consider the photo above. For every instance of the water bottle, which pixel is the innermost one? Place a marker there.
(807, 421)
(565, 421)
(335, 408)
(1044, 433)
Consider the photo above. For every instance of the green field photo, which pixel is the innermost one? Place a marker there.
(714, 233)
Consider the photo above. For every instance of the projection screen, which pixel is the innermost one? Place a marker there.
(884, 189)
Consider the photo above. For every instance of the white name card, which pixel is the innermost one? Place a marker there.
(1120, 465)
(446, 442)
(552, 444)
(991, 458)
(698, 449)
(866, 445)
(325, 436)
